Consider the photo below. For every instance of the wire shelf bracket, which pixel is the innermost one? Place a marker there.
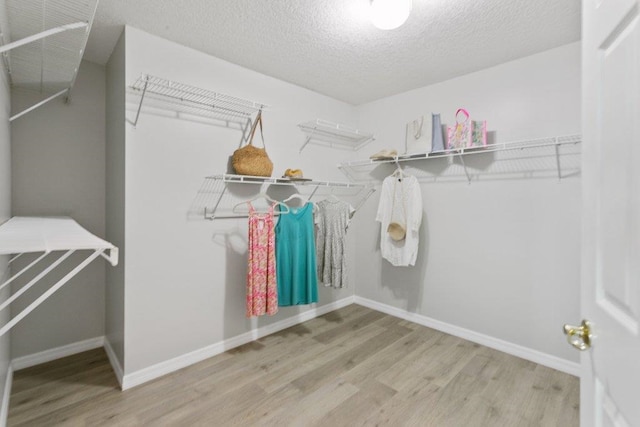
(334, 134)
(21, 235)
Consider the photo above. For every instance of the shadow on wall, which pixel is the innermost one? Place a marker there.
(235, 243)
(407, 283)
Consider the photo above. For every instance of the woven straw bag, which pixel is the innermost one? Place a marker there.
(251, 160)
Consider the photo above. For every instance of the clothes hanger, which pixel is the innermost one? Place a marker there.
(302, 198)
(266, 197)
(296, 196)
(333, 198)
(398, 173)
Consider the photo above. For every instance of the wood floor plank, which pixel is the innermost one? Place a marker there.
(308, 360)
(402, 405)
(315, 405)
(350, 359)
(391, 356)
(37, 375)
(351, 367)
(349, 327)
(370, 397)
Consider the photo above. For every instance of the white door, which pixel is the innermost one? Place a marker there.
(610, 388)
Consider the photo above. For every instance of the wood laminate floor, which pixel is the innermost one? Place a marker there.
(350, 367)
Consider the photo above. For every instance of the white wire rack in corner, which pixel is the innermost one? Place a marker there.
(47, 41)
(23, 235)
(334, 134)
(220, 193)
(191, 100)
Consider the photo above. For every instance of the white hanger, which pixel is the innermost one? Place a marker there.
(333, 197)
(267, 198)
(399, 173)
(302, 198)
(296, 196)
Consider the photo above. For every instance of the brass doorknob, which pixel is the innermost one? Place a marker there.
(579, 336)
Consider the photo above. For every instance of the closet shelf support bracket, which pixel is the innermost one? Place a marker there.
(464, 165)
(144, 91)
(557, 146)
(307, 140)
(51, 290)
(215, 207)
(39, 104)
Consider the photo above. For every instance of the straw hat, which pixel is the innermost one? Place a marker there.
(384, 154)
(396, 231)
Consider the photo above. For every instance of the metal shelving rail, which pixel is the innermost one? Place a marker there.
(21, 235)
(555, 142)
(194, 100)
(364, 191)
(334, 134)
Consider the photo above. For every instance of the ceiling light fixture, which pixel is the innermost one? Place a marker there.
(389, 14)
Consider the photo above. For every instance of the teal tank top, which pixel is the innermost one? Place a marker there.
(296, 257)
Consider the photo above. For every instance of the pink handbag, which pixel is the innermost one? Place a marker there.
(466, 133)
(459, 136)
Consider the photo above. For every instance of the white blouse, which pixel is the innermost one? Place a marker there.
(407, 210)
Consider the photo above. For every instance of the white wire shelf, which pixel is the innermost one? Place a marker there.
(538, 145)
(43, 42)
(220, 193)
(334, 134)
(22, 235)
(248, 179)
(193, 100)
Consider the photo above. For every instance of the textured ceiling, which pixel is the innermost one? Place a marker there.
(329, 46)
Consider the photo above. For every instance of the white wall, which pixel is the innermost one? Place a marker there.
(58, 169)
(499, 257)
(5, 214)
(185, 277)
(115, 182)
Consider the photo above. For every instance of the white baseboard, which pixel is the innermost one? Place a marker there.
(536, 356)
(56, 353)
(147, 374)
(4, 409)
(113, 360)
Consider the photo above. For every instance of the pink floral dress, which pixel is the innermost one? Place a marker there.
(262, 288)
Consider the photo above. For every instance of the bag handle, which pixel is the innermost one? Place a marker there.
(463, 111)
(257, 121)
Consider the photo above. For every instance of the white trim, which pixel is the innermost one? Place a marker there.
(114, 361)
(56, 353)
(563, 365)
(147, 374)
(4, 409)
